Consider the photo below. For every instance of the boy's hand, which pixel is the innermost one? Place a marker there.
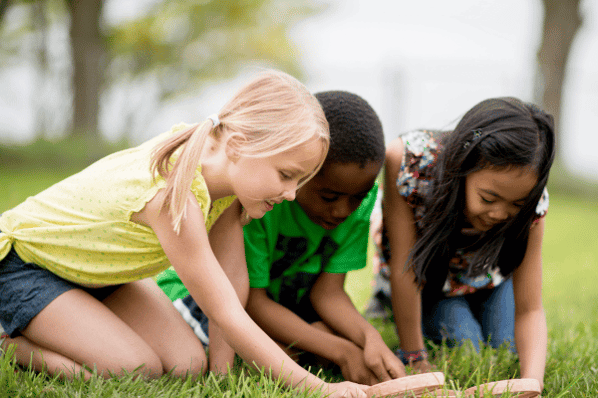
(346, 389)
(353, 366)
(381, 360)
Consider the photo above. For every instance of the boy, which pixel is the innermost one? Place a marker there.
(298, 254)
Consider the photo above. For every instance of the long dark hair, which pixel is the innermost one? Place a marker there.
(499, 133)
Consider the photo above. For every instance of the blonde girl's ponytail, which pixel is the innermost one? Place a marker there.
(179, 175)
(272, 113)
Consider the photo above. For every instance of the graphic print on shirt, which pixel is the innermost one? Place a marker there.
(289, 284)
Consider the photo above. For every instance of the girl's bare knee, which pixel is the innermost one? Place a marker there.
(196, 365)
(146, 364)
(149, 365)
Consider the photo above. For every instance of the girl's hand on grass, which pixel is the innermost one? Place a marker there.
(422, 366)
(540, 379)
(346, 389)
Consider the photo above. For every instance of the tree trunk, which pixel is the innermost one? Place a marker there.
(3, 7)
(561, 22)
(87, 54)
(40, 23)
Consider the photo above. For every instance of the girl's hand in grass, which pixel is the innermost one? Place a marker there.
(346, 389)
(422, 366)
(539, 378)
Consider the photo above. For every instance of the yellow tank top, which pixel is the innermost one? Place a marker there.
(81, 230)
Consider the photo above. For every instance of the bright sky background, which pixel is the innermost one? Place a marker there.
(425, 63)
(419, 63)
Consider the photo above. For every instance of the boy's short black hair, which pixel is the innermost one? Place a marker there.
(356, 134)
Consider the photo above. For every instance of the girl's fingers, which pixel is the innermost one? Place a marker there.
(360, 391)
(347, 389)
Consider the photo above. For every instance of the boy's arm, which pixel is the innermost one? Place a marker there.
(530, 321)
(335, 307)
(286, 327)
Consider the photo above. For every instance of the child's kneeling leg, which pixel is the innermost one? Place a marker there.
(149, 313)
(84, 331)
(32, 356)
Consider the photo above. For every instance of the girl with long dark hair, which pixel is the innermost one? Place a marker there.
(463, 221)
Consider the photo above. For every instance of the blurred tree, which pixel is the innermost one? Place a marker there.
(3, 6)
(184, 43)
(26, 41)
(88, 51)
(562, 20)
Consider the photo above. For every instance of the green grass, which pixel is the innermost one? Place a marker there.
(243, 382)
(570, 257)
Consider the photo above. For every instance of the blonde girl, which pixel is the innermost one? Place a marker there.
(76, 291)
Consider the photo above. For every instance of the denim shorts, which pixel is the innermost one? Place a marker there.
(26, 289)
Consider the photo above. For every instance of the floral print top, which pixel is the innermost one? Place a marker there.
(413, 183)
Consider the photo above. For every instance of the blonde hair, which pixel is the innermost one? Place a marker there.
(271, 114)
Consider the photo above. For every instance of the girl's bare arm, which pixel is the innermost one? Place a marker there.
(530, 321)
(194, 261)
(400, 228)
(226, 240)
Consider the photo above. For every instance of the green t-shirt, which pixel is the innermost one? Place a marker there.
(286, 251)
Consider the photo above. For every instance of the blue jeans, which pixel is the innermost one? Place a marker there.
(486, 315)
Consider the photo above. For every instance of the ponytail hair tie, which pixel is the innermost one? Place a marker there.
(215, 120)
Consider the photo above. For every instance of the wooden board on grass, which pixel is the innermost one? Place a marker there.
(407, 386)
(520, 388)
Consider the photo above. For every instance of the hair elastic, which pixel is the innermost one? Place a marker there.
(215, 120)
(477, 133)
